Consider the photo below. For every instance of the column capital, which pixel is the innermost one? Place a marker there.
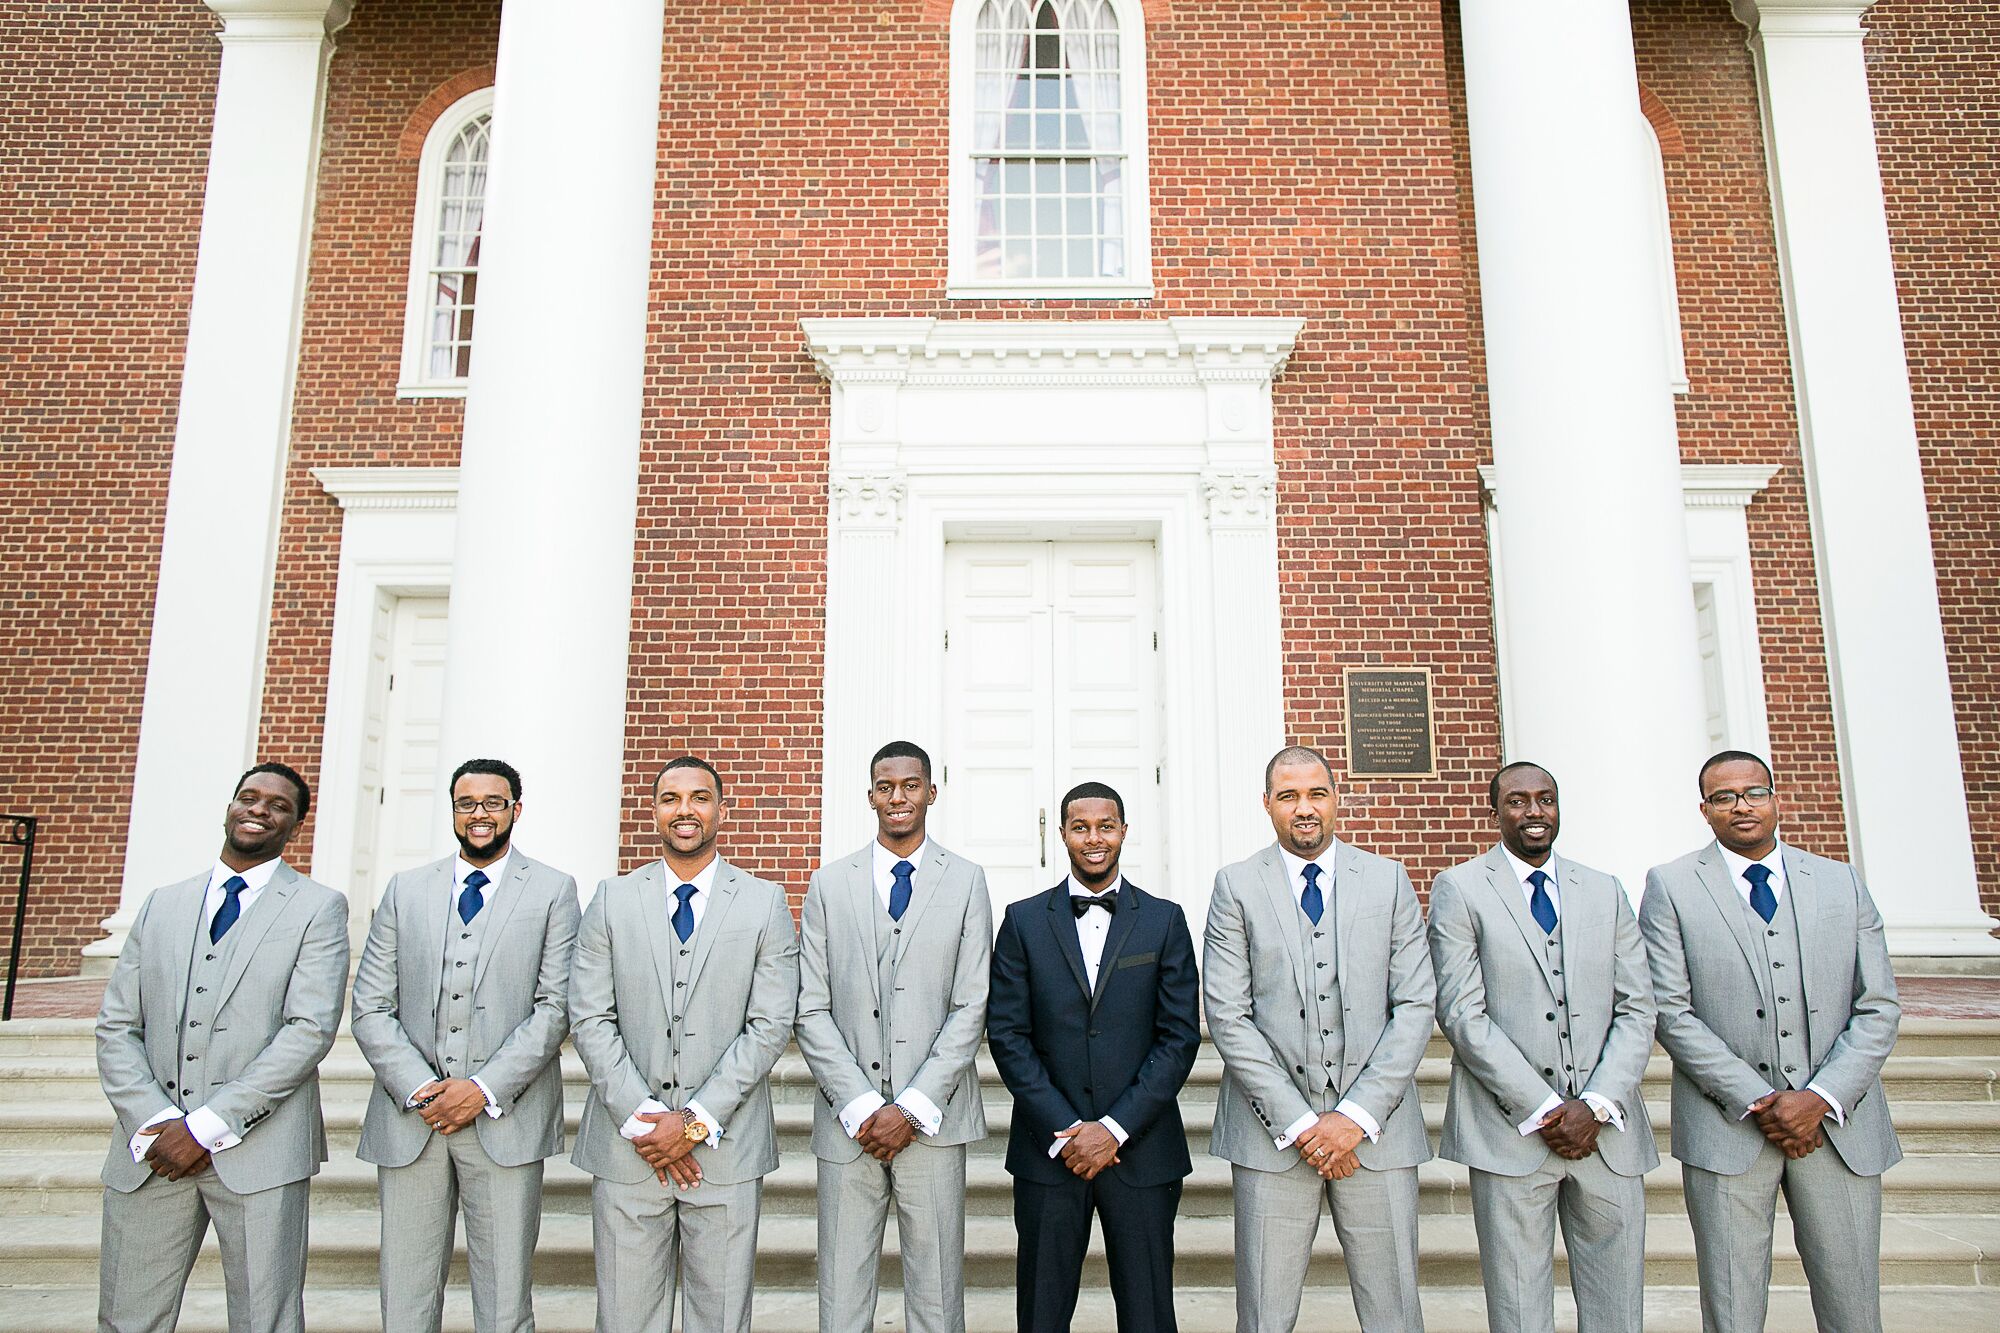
(1802, 18)
(280, 20)
(868, 501)
(1239, 498)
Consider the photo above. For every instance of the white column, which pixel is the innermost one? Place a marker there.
(1904, 788)
(867, 650)
(1604, 669)
(1241, 508)
(218, 552)
(549, 477)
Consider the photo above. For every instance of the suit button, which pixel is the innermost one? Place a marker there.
(201, 990)
(1760, 1013)
(878, 1013)
(874, 1065)
(1298, 1068)
(1093, 1032)
(170, 1085)
(1548, 1073)
(1551, 1018)
(1090, 1092)
(1302, 1013)
(1763, 1068)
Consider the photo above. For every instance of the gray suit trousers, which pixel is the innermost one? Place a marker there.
(503, 1219)
(1836, 1222)
(928, 1184)
(649, 1238)
(1277, 1219)
(1603, 1218)
(152, 1235)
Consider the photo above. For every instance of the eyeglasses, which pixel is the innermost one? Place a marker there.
(1726, 799)
(492, 805)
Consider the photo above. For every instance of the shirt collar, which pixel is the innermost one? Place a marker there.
(1775, 863)
(1522, 869)
(703, 881)
(254, 879)
(1295, 866)
(885, 860)
(494, 873)
(1078, 891)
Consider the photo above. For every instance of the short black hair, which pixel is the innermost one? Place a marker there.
(497, 768)
(901, 750)
(1731, 757)
(688, 761)
(1296, 754)
(289, 774)
(1493, 787)
(1092, 791)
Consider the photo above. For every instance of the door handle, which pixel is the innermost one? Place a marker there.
(1044, 835)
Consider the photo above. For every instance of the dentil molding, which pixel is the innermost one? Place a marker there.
(1051, 353)
(1703, 485)
(390, 487)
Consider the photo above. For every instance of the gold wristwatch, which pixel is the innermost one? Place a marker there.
(693, 1130)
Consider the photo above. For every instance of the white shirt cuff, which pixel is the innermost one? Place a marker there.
(1612, 1114)
(1839, 1112)
(1117, 1132)
(1753, 1102)
(209, 1130)
(929, 1118)
(1533, 1124)
(714, 1125)
(1296, 1128)
(417, 1096)
(634, 1127)
(141, 1141)
(492, 1106)
(1369, 1125)
(855, 1114)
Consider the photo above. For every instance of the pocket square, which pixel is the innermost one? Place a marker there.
(1137, 960)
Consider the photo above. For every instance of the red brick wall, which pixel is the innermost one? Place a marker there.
(107, 109)
(1931, 72)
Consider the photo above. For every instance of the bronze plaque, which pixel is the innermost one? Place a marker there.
(1389, 732)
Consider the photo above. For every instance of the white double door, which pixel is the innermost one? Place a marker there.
(1051, 679)
(399, 825)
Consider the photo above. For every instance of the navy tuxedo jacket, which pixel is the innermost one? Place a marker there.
(1068, 1054)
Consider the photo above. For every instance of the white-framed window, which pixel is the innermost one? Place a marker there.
(1048, 194)
(443, 298)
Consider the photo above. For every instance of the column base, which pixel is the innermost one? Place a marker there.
(100, 955)
(1967, 938)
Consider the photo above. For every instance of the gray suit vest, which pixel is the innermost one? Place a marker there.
(206, 968)
(886, 940)
(454, 1010)
(1326, 1031)
(1782, 981)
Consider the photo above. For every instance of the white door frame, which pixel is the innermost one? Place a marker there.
(1139, 429)
(398, 525)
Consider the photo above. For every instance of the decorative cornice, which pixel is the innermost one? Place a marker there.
(1105, 352)
(1802, 18)
(1703, 485)
(390, 487)
(865, 499)
(1239, 498)
(280, 20)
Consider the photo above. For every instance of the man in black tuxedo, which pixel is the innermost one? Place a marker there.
(1093, 1022)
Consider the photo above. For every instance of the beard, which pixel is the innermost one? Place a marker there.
(501, 837)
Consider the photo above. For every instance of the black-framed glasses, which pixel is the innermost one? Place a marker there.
(492, 805)
(1726, 799)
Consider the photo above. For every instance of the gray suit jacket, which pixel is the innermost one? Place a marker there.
(1254, 985)
(943, 960)
(729, 1022)
(275, 1020)
(520, 1015)
(1713, 998)
(1497, 1004)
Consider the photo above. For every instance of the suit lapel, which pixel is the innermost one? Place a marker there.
(1285, 908)
(1500, 879)
(256, 924)
(1062, 925)
(502, 907)
(1122, 922)
(722, 896)
(181, 918)
(649, 882)
(923, 892)
(1713, 873)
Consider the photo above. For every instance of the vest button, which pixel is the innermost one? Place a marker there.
(1786, 1034)
(454, 1029)
(1551, 1018)
(201, 990)
(872, 1064)
(455, 997)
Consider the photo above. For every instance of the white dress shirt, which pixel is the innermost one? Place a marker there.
(1295, 873)
(704, 884)
(1600, 1105)
(208, 1128)
(855, 1114)
(461, 870)
(1775, 863)
(1093, 928)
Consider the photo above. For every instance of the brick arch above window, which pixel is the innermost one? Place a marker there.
(938, 12)
(418, 127)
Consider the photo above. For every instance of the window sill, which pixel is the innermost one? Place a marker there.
(430, 390)
(1017, 291)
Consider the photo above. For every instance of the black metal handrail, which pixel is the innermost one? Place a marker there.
(18, 831)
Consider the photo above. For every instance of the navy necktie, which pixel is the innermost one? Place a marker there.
(684, 914)
(899, 892)
(225, 915)
(1540, 905)
(1310, 902)
(471, 900)
(1762, 899)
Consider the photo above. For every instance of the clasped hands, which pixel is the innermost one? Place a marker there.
(1088, 1148)
(885, 1133)
(1571, 1130)
(450, 1104)
(1328, 1146)
(1792, 1120)
(668, 1150)
(174, 1152)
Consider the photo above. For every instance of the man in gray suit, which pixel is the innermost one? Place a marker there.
(461, 1006)
(891, 1047)
(224, 1000)
(1778, 1007)
(683, 991)
(1543, 991)
(1319, 996)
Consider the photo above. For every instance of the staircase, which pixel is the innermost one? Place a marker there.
(1940, 1242)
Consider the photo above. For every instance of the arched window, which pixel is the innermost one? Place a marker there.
(1048, 133)
(444, 249)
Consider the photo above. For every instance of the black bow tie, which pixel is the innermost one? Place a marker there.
(1080, 903)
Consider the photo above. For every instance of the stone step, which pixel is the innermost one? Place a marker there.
(1198, 1310)
(53, 1183)
(1938, 1249)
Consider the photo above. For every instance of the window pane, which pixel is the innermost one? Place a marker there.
(455, 251)
(1079, 259)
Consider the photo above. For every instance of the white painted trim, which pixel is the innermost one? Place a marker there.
(1670, 292)
(415, 381)
(1137, 282)
(398, 527)
(1035, 430)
